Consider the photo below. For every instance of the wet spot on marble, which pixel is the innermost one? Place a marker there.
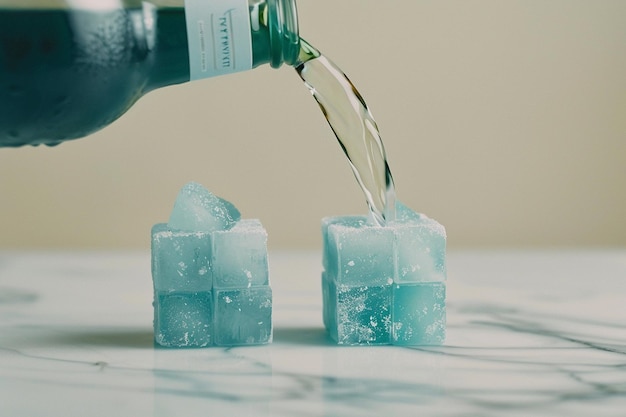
(309, 336)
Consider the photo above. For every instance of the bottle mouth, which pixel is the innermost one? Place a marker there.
(284, 34)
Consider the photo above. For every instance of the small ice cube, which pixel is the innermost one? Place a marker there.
(240, 256)
(405, 215)
(243, 316)
(198, 210)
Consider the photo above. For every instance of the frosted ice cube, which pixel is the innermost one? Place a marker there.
(419, 314)
(405, 214)
(420, 249)
(362, 261)
(243, 316)
(183, 319)
(360, 254)
(362, 314)
(353, 221)
(240, 256)
(180, 260)
(197, 209)
(210, 274)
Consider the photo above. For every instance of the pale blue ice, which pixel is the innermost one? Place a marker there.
(197, 209)
(183, 319)
(210, 275)
(239, 258)
(419, 314)
(243, 316)
(181, 261)
(363, 262)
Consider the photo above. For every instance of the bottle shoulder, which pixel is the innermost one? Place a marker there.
(65, 74)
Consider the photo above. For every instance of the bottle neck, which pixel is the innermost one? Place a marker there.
(283, 32)
(274, 32)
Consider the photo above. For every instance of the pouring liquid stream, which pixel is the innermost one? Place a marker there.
(355, 129)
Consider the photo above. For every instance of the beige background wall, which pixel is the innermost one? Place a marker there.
(505, 120)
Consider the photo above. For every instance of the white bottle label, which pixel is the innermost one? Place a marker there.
(218, 33)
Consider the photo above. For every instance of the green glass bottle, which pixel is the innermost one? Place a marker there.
(71, 67)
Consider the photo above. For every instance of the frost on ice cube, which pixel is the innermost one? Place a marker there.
(329, 255)
(420, 250)
(405, 215)
(183, 319)
(244, 316)
(358, 253)
(210, 275)
(419, 314)
(363, 315)
(240, 256)
(180, 260)
(384, 284)
(197, 209)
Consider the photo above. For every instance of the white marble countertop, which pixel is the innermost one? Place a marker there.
(529, 333)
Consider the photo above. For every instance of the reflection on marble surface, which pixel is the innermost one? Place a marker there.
(529, 333)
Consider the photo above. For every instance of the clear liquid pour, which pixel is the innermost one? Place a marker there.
(355, 129)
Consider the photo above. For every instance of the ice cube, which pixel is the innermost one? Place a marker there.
(183, 319)
(210, 274)
(362, 314)
(240, 256)
(359, 253)
(419, 314)
(243, 316)
(363, 262)
(198, 210)
(420, 251)
(180, 260)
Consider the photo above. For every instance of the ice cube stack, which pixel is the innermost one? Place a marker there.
(210, 275)
(384, 285)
